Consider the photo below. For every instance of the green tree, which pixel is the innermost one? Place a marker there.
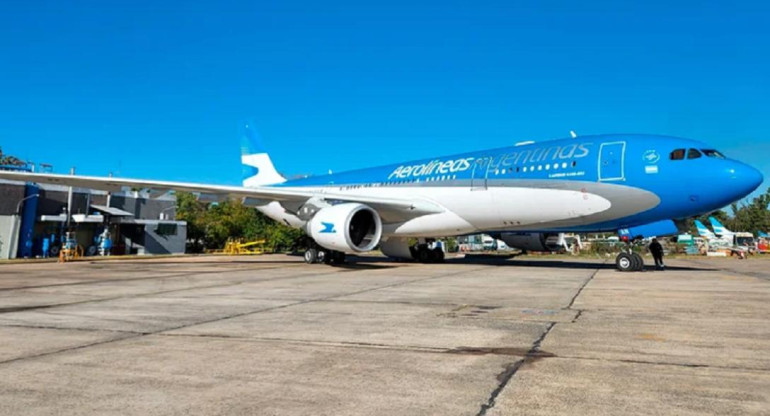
(750, 216)
(193, 211)
(210, 226)
(8, 160)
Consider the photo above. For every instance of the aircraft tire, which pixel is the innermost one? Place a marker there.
(423, 255)
(639, 262)
(311, 256)
(338, 257)
(624, 262)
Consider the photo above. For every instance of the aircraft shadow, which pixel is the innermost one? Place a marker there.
(511, 261)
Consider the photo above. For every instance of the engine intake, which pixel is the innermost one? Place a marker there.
(350, 228)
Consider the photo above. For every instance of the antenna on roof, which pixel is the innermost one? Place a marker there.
(572, 133)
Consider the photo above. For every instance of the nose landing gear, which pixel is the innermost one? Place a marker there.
(629, 261)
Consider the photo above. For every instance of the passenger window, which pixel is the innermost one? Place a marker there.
(677, 154)
(693, 154)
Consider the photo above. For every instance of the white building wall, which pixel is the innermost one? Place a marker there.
(9, 236)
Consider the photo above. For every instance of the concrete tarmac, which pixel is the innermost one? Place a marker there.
(270, 335)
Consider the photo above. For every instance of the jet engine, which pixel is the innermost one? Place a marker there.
(349, 227)
(534, 241)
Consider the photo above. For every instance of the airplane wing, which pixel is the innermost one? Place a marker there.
(391, 209)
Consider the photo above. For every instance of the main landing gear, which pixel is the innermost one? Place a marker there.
(427, 253)
(321, 255)
(628, 261)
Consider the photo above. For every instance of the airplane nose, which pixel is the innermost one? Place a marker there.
(745, 177)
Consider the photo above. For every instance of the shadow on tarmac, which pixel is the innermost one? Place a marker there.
(493, 260)
(377, 262)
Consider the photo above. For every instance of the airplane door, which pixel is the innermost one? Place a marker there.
(611, 161)
(479, 175)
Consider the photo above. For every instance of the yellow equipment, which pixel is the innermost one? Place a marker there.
(68, 254)
(237, 246)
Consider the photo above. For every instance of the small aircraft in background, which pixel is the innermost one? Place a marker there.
(712, 239)
(739, 240)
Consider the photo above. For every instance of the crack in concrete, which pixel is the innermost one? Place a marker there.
(141, 334)
(585, 283)
(159, 277)
(532, 355)
(685, 365)
(161, 292)
(506, 376)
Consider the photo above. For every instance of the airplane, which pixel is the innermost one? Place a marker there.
(739, 240)
(524, 193)
(704, 232)
(714, 241)
(719, 229)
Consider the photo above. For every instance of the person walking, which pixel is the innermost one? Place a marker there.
(657, 253)
(46, 246)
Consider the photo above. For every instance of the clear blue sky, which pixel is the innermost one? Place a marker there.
(156, 89)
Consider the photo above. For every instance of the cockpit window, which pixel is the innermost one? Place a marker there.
(677, 154)
(693, 154)
(713, 153)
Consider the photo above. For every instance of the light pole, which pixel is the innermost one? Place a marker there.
(18, 206)
(11, 251)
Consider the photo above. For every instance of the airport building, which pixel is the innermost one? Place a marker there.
(137, 222)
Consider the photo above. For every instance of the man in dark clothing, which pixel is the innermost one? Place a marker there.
(657, 253)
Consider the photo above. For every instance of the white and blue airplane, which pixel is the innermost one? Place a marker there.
(704, 232)
(522, 194)
(743, 241)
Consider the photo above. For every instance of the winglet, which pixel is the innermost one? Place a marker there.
(258, 169)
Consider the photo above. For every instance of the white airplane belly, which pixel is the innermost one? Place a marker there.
(469, 210)
(532, 206)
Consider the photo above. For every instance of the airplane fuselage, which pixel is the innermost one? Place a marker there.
(588, 183)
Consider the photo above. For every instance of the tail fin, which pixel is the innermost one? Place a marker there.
(719, 229)
(258, 169)
(703, 231)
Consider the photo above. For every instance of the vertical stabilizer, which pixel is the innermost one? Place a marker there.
(719, 229)
(703, 231)
(258, 169)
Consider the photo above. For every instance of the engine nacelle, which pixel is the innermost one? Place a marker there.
(350, 228)
(534, 241)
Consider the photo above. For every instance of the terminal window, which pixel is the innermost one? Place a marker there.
(166, 229)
